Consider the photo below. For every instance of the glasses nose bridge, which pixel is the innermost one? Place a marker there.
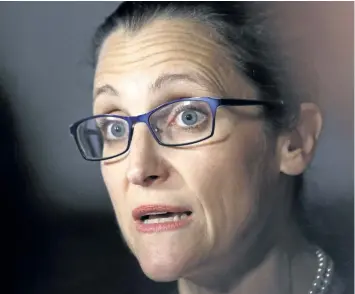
(143, 118)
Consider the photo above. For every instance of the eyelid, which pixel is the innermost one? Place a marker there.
(113, 111)
(181, 107)
(108, 105)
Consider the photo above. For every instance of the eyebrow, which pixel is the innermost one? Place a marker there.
(165, 79)
(162, 81)
(105, 89)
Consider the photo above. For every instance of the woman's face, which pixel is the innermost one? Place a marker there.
(224, 182)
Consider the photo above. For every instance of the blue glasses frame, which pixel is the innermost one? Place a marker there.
(213, 103)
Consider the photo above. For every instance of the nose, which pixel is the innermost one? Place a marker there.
(146, 167)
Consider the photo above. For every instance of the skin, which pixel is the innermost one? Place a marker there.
(242, 238)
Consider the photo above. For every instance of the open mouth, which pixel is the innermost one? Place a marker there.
(164, 217)
(155, 218)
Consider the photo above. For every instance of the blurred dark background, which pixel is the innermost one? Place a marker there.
(57, 215)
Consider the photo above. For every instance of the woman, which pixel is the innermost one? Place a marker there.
(202, 147)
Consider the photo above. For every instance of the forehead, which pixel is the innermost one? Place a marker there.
(130, 61)
(160, 45)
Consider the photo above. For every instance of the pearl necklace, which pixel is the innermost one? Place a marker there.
(324, 273)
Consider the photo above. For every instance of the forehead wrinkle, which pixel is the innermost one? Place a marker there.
(180, 30)
(178, 45)
(138, 44)
(111, 59)
(208, 54)
(127, 48)
(176, 52)
(210, 77)
(204, 75)
(185, 28)
(146, 36)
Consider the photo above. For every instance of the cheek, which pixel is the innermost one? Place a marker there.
(116, 190)
(115, 187)
(225, 186)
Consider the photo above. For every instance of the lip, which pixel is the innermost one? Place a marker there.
(140, 211)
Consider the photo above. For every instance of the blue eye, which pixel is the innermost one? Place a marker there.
(116, 130)
(189, 117)
(113, 129)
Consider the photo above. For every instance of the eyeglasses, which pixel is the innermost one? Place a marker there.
(180, 122)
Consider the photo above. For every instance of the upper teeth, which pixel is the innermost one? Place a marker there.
(174, 218)
(155, 213)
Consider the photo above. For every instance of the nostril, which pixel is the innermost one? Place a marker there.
(150, 179)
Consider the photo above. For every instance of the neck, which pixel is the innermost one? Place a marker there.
(287, 267)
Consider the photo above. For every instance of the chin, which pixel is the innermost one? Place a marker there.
(162, 269)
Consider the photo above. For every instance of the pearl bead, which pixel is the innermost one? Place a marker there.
(324, 271)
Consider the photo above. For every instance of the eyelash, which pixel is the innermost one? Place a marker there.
(181, 108)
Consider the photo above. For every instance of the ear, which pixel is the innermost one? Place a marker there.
(298, 147)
